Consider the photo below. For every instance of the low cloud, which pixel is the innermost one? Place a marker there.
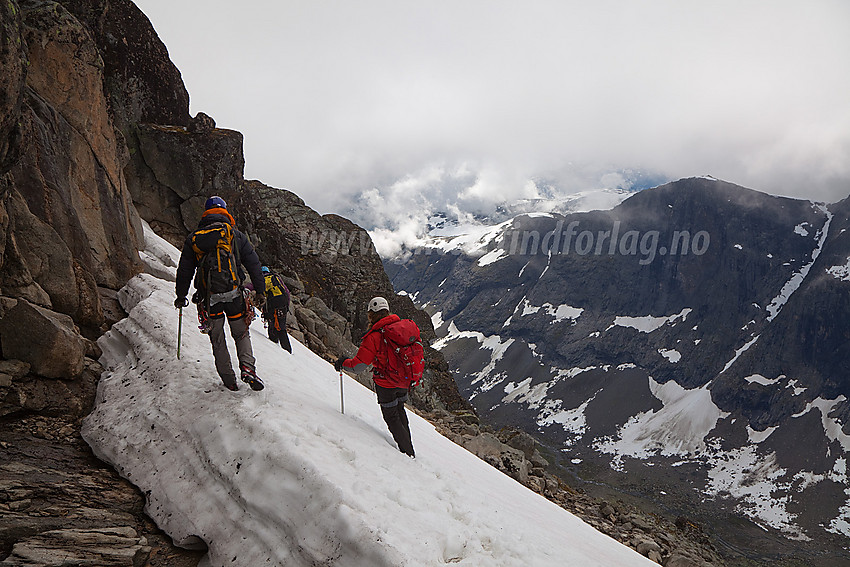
(391, 111)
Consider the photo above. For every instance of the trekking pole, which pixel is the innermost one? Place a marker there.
(341, 398)
(179, 331)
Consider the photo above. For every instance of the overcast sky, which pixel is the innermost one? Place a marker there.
(468, 103)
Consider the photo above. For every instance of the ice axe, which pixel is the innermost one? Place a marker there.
(341, 398)
(179, 330)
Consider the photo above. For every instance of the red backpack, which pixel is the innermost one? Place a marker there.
(405, 354)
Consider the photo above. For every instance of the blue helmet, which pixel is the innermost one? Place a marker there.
(215, 202)
(265, 270)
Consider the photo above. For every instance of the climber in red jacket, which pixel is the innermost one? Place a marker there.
(392, 390)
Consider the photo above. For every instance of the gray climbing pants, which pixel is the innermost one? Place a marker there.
(233, 312)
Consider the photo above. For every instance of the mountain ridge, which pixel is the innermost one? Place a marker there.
(621, 353)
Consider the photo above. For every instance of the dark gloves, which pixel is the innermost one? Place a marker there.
(181, 302)
(338, 363)
(259, 300)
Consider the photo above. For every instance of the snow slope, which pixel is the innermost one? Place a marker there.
(281, 477)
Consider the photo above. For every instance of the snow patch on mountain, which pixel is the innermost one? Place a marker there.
(494, 343)
(649, 323)
(739, 352)
(492, 256)
(672, 354)
(831, 427)
(761, 380)
(759, 436)
(558, 313)
(797, 278)
(751, 478)
(840, 272)
(801, 229)
(680, 427)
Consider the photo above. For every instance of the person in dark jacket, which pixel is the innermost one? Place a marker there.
(276, 308)
(392, 393)
(233, 308)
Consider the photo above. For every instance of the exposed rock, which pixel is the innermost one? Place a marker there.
(141, 82)
(22, 392)
(201, 123)
(176, 170)
(13, 70)
(72, 167)
(646, 545)
(678, 560)
(119, 546)
(46, 340)
(505, 458)
(40, 267)
(12, 370)
(57, 500)
(334, 260)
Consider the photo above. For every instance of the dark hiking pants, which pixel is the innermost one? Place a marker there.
(234, 312)
(392, 401)
(278, 335)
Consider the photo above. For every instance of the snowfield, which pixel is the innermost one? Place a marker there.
(282, 477)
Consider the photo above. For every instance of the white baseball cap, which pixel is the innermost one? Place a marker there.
(378, 304)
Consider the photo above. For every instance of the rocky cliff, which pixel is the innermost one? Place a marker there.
(95, 135)
(69, 238)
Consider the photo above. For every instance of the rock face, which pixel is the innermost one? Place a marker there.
(13, 71)
(689, 338)
(140, 81)
(175, 170)
(334, 260)
(68, 241)
(71, 226)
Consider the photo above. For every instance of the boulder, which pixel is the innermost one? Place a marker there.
(11, 371)
(507, 459)
(44, 339)
(174, 170)
(644, 547)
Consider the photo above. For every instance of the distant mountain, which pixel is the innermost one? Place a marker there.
(692, 342)
(453, 233)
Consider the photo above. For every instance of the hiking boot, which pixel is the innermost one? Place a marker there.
(232, 387)
(250, 377)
